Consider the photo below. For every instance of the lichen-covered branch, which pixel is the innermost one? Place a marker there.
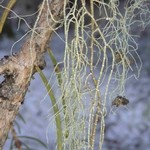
(18, 69)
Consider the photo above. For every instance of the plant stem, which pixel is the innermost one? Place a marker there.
(5, 14)
(55, 109)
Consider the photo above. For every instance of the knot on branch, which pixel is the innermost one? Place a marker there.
(7, 87)
(18, 70)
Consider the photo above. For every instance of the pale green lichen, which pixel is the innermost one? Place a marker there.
(98, 59)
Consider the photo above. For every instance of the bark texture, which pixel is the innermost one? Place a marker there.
(18, 69)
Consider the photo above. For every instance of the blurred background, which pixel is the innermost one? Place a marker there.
(127, 128)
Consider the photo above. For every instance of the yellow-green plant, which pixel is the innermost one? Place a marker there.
(100, 55)
(55, 108)
(3, 18)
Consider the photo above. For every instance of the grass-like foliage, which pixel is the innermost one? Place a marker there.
(5, 13)
(55, 108)
(18, 142)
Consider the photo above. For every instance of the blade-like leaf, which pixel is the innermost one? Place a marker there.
(21, 118)
(55, 108)
(5, 14)
(55, 64)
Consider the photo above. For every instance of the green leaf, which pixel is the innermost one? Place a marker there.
(55, 108)
(27, 147)
(56, 67)
(5, 13)
(21, 118)
(17, 126)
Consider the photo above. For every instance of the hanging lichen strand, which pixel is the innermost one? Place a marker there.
(100, 55)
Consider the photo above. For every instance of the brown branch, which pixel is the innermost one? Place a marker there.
(18, 69)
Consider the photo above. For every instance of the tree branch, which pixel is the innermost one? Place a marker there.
(18, 69)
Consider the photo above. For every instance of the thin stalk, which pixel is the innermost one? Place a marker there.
(59, 78)
(56, 67)
(5, 13)
(55, 109)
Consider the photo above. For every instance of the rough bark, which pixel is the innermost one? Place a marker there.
(18, 69)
